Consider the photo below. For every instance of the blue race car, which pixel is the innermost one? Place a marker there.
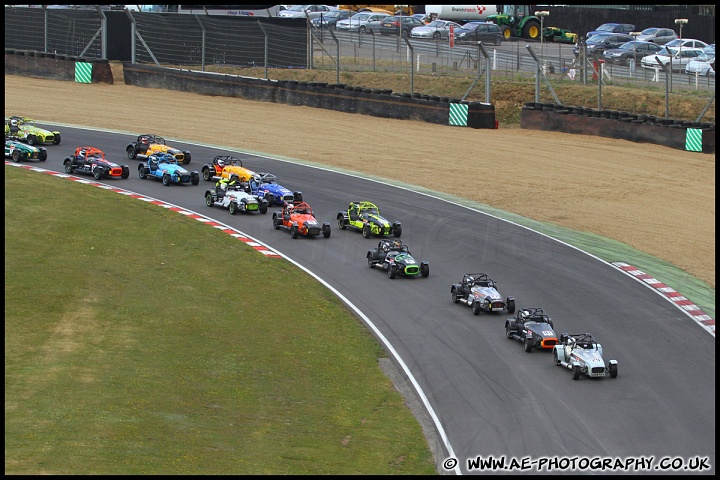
(164, 166)
(265, 185)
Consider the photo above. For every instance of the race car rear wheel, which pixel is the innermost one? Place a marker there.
(68, 166)
(555, 358)
(209, 200)
(371, 264)
(508, 331)
(276, 221)
(476, 308)
(341, 222)
(207, 176)
(131, 153)
(454, 296)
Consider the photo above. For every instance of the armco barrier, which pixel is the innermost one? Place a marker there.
(54, 67)
(683, 135)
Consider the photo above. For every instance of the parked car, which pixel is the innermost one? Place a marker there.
(18, 151)
(25, 130)
(328, 20)
(704, 64)
(686, 43)
(365, 217)
(486, 32)
(301, 11)
(164, 167)
(236, 198)
(363, 22)
(391, 25)
(226, 166)
(533, 327)
(680, 58)
(597, 44)
(395, 258)
(583, 355)
(634, 50)
(660, 36)
(149, 143)
(300, 219)
(479, 291)
(423, 17)
(437, 30)
(91, 160)
(612, 28)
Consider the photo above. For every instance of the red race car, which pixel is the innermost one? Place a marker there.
(300, 220)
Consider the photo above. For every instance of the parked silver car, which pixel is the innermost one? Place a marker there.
(363, 22)
(660, 36)
(437, 30)
(301, 11)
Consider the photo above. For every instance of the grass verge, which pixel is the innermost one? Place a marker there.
(138, 341)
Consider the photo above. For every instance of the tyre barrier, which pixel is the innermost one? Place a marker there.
(641, 128)
(53, 66)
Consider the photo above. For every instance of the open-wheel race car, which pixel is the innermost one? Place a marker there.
(479, 291)
(226, 166)
(24, 129)
(164, 167)
(267, 186)
(300, 220)
(22, 151)
(394, 257)
(532, 327)
(580, 353)
(149, 143)
(237, 198)
(91, 160)
(365, 217)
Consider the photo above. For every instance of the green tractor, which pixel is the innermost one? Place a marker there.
(517, 21)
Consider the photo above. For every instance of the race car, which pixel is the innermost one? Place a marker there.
(91, 160)
(163, 166)
(300, 220)
(25, 130)
(532, 327)
(394, 257)
(21, 151)
(237, 198)
(226, 166)
(583, 355)
(149, 143)
(273, 192)
(365, 217)
(479, 291)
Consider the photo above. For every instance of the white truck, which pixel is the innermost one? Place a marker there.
(460, 13)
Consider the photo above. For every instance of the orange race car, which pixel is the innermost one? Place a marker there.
(300, 220)
(227, 166)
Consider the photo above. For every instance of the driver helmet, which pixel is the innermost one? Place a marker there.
(397, 244)
(13, 122)
(221, 163)
(83, 153)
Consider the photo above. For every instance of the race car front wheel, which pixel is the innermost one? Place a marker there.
(56, 140)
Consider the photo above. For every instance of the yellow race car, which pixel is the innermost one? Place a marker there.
(148, 144)
(226, 166)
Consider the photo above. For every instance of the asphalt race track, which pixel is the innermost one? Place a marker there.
(491, 398)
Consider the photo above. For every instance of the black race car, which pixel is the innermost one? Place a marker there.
(91, 160)
(479, 291)
(394, 257)
(532, 327)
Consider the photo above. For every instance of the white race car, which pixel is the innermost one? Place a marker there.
(236, 199)
(583, 355)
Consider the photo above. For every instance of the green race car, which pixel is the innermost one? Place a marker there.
(25, 130)
(365, 217)
(21, 151)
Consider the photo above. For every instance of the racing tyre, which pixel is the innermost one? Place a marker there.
(397, 230)
(131, 153)
(424, 270)
(392, 271)
(276, 222)
(207, 176)
(263, 209)
(454, 296)
(142, 172)
(528, 345)
(186, 160)
(294, 231)
(555, 358)
(43, 155)
(98, 173)
(56, 140)
(195, 178)
(233, 208)
(576, 372)
(326, 230)
(613, 370)
(269, 199)
(208, 199)
(166, 179)
(341, 222)
(16, 157)
(476, 308)
(68, 165)
(508, 331)
(32, 139)
(366, 231)
(510, 306)
(371, 264)
(125, 172)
